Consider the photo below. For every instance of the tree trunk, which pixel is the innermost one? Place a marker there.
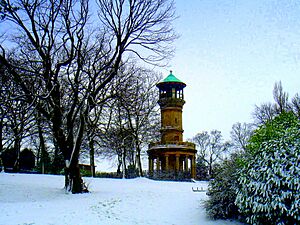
(56, 165)
(138, 159)
(68, 148)
(42, 145)
(73, 180)
(210, 167)
(1, 130)
(92, 156)
(17, 148)
(124, 171)
(119, 164)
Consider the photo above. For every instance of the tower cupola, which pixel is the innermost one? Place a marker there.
(171, 87)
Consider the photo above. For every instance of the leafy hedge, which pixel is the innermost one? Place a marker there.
(262, 185)
(269, 190)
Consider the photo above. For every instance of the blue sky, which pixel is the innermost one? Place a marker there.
(230, 54)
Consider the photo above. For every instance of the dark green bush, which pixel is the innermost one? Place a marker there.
(201, 169)
(269, 191)
(108, 175)
(222, 190)
(132, 171)
(85, 173)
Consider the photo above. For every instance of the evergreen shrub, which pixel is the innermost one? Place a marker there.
(222, 190)
(269, 184)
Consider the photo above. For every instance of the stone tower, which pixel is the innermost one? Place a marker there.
(171, 157)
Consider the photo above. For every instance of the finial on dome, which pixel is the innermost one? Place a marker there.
(171, 71)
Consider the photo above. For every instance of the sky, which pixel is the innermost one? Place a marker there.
(230, 54)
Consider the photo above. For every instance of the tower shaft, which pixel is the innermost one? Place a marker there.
(171, 121)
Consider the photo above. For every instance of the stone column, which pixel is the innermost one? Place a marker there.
(150, 166)
(157, 164)
(180, 164)
(167, 163)
(186, 163)
(177, 164)
(193, 169)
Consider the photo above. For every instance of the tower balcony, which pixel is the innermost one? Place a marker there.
(171, 102)
(172, 145)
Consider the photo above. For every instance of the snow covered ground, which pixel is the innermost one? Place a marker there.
(41, 199)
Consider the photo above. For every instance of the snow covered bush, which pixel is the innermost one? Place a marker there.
(222, 190)
(269, 184)
(201, 169)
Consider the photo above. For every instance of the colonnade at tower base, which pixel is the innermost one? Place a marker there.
(172, 160)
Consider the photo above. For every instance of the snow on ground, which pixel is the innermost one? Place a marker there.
(40, 199)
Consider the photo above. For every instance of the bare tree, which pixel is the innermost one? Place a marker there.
(2, 115)
(19, 121)
(263, 113)
(267, 111)
(281, 98)
(240, 135)
(138, 98)
(140, 24)
(117, 140)
(295, 105)
(2, 102)
(62, 68)
(96, 126)
(16, 117)
(132, 114)
(210, 148)
(42, 153)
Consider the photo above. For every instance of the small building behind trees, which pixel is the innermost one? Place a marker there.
(171, 157)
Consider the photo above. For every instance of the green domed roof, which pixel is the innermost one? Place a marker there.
(171, 81)
(172, 78)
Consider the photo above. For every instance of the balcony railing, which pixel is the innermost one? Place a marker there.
(172, 144)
